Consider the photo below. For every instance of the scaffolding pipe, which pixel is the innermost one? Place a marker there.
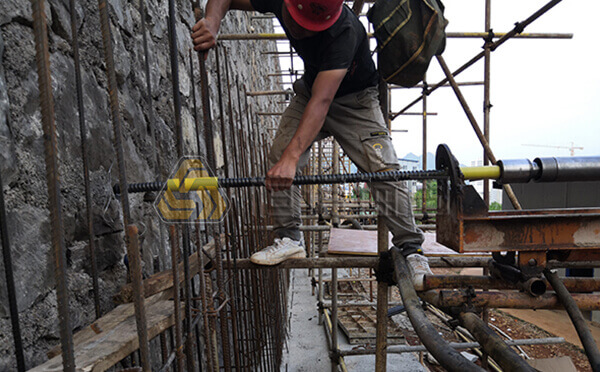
(450, 35)
(581, 326)
(505, 299)
(573, 284)
(436, 345)
(400, 349)
(488, 150)
(493, 345)
(519, 26)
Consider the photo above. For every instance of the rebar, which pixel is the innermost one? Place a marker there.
(42, 58)
(85, 158)
(318, 179)
(174, 237)
(10, 284)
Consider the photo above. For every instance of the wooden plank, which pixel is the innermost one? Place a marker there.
(364, 243)
(114, 336)
(164, 280)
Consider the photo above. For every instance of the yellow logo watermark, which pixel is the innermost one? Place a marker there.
(182, 201)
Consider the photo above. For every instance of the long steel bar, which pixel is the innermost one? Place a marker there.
(174, 236)
(10, 284)
(230, 304)
(518, 29)
(505, 299)
(230, 229)
(493, 345)
(53, 183)
(116, 120)
(198, 183)
(135, 269)
(400, 349)
(185, 232)
(488, 150)
(451, 35)
(85, 157)
(448, 357)
(581, 326)
(210, 155)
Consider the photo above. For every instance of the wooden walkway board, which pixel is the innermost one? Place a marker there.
(364, 242)
(114, 336)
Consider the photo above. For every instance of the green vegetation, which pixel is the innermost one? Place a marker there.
(430, 197)
(495, 206)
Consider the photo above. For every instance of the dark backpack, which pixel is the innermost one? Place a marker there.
(409, 33)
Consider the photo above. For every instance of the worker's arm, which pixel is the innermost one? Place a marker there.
(204, 32)
(326, 84)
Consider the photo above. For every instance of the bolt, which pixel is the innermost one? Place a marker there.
(532, 262)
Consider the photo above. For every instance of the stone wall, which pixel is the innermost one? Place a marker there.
(22, 156)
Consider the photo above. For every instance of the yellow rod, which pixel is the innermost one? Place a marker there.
(479, 173)
(191, 184)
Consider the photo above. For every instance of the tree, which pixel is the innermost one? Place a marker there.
(430, 196)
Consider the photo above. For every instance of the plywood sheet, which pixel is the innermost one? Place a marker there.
(364, 242)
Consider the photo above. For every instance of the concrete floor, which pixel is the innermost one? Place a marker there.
(307, 348)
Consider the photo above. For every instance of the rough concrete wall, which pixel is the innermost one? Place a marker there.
(21, 148)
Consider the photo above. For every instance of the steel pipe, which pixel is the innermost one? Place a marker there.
(488, 282)
(400, 349)
(505, 300)
(436, 345)
(493, 345)
(450, 35)
(581, 326)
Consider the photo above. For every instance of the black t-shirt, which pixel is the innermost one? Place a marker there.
(344, 45)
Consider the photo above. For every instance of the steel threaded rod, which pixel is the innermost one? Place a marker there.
(301, 180)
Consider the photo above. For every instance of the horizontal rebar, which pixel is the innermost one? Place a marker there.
(212, 182)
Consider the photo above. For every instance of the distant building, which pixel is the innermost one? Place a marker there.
(410, 165)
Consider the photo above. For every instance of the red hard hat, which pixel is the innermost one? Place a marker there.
(315, 15)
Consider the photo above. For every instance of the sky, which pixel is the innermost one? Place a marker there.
(543, 92)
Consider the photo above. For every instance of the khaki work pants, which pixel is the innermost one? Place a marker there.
(356, 122)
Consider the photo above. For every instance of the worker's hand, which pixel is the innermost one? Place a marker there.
(204, 34)
(282, 174)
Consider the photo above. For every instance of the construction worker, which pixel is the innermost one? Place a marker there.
(337, 96)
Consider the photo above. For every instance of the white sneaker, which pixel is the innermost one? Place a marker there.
(418, 265)
(281, 250)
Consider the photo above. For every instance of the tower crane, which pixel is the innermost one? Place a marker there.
(571, 148)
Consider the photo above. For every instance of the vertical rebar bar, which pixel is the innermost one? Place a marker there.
(135, 268)
(185, 231)
(85, 157)
(53, 181)
(10, 284)
(424, 157)
(176, 300)
(113, 94)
